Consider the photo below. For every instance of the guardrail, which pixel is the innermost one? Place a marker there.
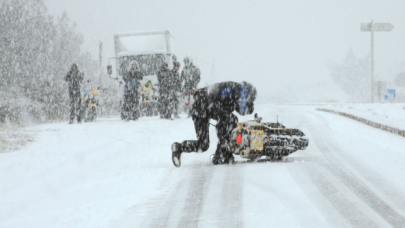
(383, 127)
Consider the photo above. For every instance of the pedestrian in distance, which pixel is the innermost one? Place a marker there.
(176, 87)
(190, 76)
(166, 89)
(131, 93)
(216, 102)
(74, 78)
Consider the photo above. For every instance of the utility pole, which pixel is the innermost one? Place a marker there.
(101, 70)
(374, 27)
(372, 63)
(101, 63)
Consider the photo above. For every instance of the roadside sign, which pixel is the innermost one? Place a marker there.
(376, 27)
(391, 95)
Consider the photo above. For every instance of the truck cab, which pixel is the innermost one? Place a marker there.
(149, 48)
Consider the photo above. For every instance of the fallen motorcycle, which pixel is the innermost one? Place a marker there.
(253, 139)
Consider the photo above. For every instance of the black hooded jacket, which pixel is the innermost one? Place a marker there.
(131, 80)
(226, 97)
(74, 78)
(165, 78)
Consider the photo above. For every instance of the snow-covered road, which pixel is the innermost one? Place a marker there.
(116, 174)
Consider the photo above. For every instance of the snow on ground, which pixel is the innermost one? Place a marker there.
(13, 137)
(112, 173)
(390, 114)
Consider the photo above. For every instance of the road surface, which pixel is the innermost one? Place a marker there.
(116, 174)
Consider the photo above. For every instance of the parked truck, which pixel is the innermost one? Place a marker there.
(150, 49)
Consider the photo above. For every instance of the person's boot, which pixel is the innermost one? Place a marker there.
(229, 158)
(126, 116)
(216, 158)
(222, 156)
(79, 119)
(70, 121)
(137, 114)
(177, 149)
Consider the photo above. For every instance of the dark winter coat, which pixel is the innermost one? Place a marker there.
(176, 80)
(131, 80)
(74, 78)
(191, 77)
(165, 77)
(226, 97)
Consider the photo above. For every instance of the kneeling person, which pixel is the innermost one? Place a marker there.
(216, 102)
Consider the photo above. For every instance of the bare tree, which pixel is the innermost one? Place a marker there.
(353, 76)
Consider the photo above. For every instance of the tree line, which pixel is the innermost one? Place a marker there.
(36, 52)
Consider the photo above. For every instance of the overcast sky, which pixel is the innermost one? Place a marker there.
(276, 45)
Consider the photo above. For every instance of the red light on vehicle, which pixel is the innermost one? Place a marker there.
(239, 139)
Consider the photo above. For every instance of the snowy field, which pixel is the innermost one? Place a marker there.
(112, 173)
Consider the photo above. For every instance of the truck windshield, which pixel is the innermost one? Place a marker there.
(149, 64)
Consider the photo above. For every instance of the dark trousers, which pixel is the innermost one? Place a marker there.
(74, 103)
(131, 105)
(201, 114)
(168, 103)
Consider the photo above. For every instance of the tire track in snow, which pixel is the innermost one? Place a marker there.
(187, 200)
(331, 216)
(155, 211)
(231, 198)
(356, 185)
(344, 206)
(201, 178)
(367, 195)
(390, 192)
(161, 217)
(183, 205)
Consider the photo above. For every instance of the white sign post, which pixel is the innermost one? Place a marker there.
(374, 27)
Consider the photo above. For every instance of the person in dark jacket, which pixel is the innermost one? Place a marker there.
(176, 87)
(166, 81)
(190, 76)
(74, 78)
(131, 93)
(216, 102)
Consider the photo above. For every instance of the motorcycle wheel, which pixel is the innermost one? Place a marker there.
(270, 153)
